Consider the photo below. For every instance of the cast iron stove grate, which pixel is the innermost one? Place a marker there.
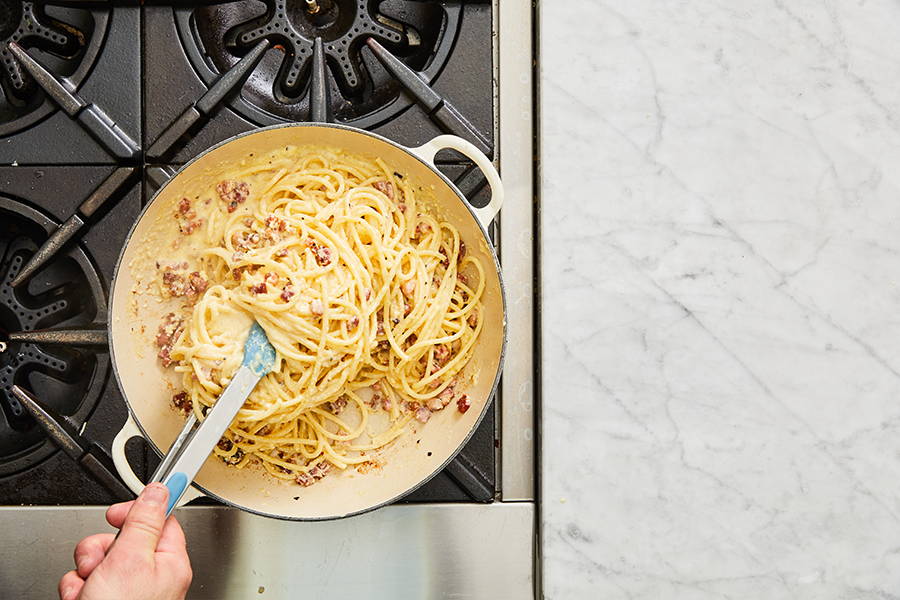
(67, 39)
(361, 92)
(67, 293)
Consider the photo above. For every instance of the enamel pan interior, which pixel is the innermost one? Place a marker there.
(408, 462)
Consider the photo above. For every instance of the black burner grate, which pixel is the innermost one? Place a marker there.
(67, 293)
(340, 25)
(22, 22)
(362, 92)
(67, 39)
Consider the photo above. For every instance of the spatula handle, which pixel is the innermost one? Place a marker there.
(200, 443)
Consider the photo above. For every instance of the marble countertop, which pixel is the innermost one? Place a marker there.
(721, 299)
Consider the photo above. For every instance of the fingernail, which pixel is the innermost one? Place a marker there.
(155, 494)
(67, 593)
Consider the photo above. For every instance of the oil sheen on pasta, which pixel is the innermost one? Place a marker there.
(371, 302)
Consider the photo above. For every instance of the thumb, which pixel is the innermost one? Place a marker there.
(144, 523)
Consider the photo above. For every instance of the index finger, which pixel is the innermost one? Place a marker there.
(90, 552)
(115, 514)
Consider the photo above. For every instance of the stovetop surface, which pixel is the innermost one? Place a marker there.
(145, 66)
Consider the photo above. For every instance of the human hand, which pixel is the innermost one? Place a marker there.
(149, 560)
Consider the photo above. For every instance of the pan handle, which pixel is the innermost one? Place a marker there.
(427, 151)
(130, 430)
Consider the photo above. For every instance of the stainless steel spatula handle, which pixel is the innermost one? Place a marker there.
(200, 444)
(191, 450)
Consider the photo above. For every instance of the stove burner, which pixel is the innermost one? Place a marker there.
(363, 93)
(20, 20)
(342, 27)
(66, 293)
(68, 40)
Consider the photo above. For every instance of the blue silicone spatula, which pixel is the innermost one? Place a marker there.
(193, 447)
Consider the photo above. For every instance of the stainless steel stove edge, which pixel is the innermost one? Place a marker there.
(467, 551)
(515, 73)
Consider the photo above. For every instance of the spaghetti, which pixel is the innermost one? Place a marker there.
(370, 300)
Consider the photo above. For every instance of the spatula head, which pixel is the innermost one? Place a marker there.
(259, 355)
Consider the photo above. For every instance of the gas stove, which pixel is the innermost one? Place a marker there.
(101, 102)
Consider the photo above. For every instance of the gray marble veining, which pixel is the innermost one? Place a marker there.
(721, 299)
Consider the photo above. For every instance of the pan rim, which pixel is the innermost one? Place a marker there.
(503, 306)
